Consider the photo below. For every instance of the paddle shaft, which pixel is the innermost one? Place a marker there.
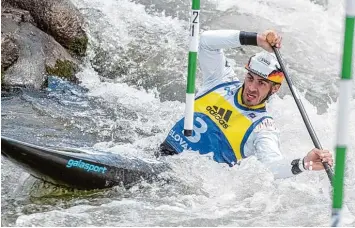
(303, 113)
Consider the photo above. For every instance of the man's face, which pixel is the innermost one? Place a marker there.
(256, 89)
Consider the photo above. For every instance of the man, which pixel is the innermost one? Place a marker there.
(230, 118)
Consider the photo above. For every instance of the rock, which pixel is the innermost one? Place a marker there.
(37, 53)
(9, 52)
(17, 15)
(63, 69)
(58, 18)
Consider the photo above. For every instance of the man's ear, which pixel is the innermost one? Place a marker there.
(275, 88)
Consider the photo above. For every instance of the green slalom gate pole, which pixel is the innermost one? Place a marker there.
(190, 88)
(343, 113)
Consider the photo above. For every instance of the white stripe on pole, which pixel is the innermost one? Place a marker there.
(194, 30)
(345, 96)
(350, 8)
(189, 108)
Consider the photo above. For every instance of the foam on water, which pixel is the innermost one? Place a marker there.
(214, 194)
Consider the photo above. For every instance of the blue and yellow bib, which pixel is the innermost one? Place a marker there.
(222, 124)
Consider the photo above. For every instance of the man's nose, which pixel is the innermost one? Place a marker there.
(252, 87)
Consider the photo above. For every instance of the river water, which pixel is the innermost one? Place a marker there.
(132, 91)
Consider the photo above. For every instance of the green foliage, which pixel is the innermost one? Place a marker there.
(65, 69)
(78, 46)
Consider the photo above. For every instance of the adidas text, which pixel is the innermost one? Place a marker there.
(219, 115)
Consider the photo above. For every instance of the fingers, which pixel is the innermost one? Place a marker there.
(324, 156)
(269, 39)
(316, 157)
(273, 38)
(278, 42)
(327, 156)
(314, 165)
(309, 165)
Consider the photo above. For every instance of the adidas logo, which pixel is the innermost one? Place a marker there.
(220, 114)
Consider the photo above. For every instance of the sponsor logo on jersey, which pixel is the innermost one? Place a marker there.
(230, 92)
(180, 139)
(252, 115)
(220, 114)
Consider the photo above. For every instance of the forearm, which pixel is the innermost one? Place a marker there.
(267, 150)
(214, 66)
(285, 168)
(222, 39)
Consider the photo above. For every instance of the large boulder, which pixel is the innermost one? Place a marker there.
(59, 18)
(9, 51)
(29, 54)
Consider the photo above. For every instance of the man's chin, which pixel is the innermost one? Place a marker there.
(250, 103)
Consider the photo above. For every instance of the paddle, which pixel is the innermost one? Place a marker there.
(312, 134)
(303, 112)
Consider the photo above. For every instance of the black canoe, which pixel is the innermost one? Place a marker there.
(79, 169)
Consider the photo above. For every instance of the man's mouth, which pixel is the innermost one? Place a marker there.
(250, 96)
